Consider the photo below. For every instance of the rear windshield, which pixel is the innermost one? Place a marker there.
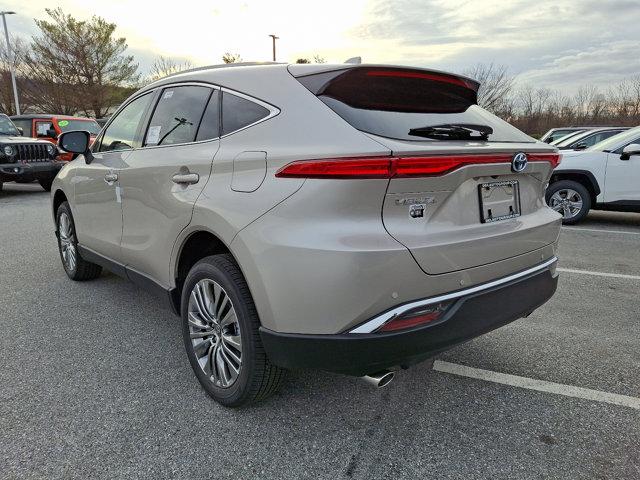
(390, 102)
(89, 125)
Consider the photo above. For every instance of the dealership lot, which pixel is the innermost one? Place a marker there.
(94, 382)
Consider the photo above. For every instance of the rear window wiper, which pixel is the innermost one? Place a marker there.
(453, 131)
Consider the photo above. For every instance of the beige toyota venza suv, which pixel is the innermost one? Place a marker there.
(350, 218)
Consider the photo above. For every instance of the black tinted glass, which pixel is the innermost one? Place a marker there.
(177, 115)
(210, 124)
(239, 112)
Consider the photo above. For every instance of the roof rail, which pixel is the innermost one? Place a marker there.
(221, 65)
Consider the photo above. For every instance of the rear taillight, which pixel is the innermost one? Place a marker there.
(415, 318)
(392, 167)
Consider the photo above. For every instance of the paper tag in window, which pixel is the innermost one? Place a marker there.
(153, 134)
(167, 94)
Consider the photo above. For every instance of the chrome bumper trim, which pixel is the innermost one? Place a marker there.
(376, 322)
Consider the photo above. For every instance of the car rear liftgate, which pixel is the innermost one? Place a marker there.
(457, 197)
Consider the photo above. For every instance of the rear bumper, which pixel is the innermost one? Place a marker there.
(473, 314)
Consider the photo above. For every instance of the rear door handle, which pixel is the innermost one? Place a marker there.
(186, 178)
(109, 178)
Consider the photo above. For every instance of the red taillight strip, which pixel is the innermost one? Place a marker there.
(425, 76)
(398, 167)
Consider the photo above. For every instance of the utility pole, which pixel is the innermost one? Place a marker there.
(274, 38)
(13, 74)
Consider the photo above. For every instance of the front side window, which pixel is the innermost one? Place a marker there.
(44, 129)
(121, 132)
(177, 115)
(238, 112)
(25, 125)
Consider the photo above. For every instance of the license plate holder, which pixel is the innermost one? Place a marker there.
(499, 200)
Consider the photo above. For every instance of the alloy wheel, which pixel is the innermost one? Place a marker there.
(67, 242)
(215, 333)
(566, 201)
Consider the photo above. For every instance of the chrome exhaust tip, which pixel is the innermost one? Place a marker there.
(379, 379)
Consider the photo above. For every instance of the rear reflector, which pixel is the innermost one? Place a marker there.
(398, 167)
(415, 318)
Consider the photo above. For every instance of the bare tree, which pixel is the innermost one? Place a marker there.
(496, 84)
(316, 59)
(231, 58)
(164, 66)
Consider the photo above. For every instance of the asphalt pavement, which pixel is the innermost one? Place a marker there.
(94, 382)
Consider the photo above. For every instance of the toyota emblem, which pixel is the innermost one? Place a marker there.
(519, 162)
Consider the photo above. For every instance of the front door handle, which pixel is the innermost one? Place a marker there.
(186, 178)
(109, 178)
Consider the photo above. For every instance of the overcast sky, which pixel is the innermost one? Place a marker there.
(552, 43)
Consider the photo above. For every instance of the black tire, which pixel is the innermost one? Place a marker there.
(82, 270)
(46, 184)
(257, 378)
(579, 189)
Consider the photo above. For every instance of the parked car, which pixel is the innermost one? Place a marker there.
(602, 177)
(558, 133)
(49, 127)
(348, 218)
(23, 159)
(586, 139)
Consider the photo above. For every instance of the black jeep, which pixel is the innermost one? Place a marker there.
(25, 159)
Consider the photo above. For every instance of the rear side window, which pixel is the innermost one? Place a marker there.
(210, 124)
(390, 102)
(238, 112)
(177, 115)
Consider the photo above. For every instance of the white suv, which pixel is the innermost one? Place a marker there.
(603, 177)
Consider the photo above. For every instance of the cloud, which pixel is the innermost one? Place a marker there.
(552, 43)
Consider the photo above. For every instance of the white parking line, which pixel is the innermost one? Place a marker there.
(599, 274)
(600, 230)
(538, 385)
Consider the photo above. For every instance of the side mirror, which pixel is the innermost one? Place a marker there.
(631, 149)
(77, 141)
(21, 131)
(580, 146)
(51, 133)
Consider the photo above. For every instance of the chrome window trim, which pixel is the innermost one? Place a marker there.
(273, 111)
(372, 325)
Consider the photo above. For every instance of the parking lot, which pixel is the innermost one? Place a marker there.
(95, 383)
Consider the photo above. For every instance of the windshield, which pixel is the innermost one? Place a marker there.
(614, 142)
(89, 125)
(7, 127)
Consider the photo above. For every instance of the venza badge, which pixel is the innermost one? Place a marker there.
(519, 162)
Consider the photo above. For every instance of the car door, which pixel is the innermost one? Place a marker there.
(622, 178)
(162, 180)
(97, 197)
